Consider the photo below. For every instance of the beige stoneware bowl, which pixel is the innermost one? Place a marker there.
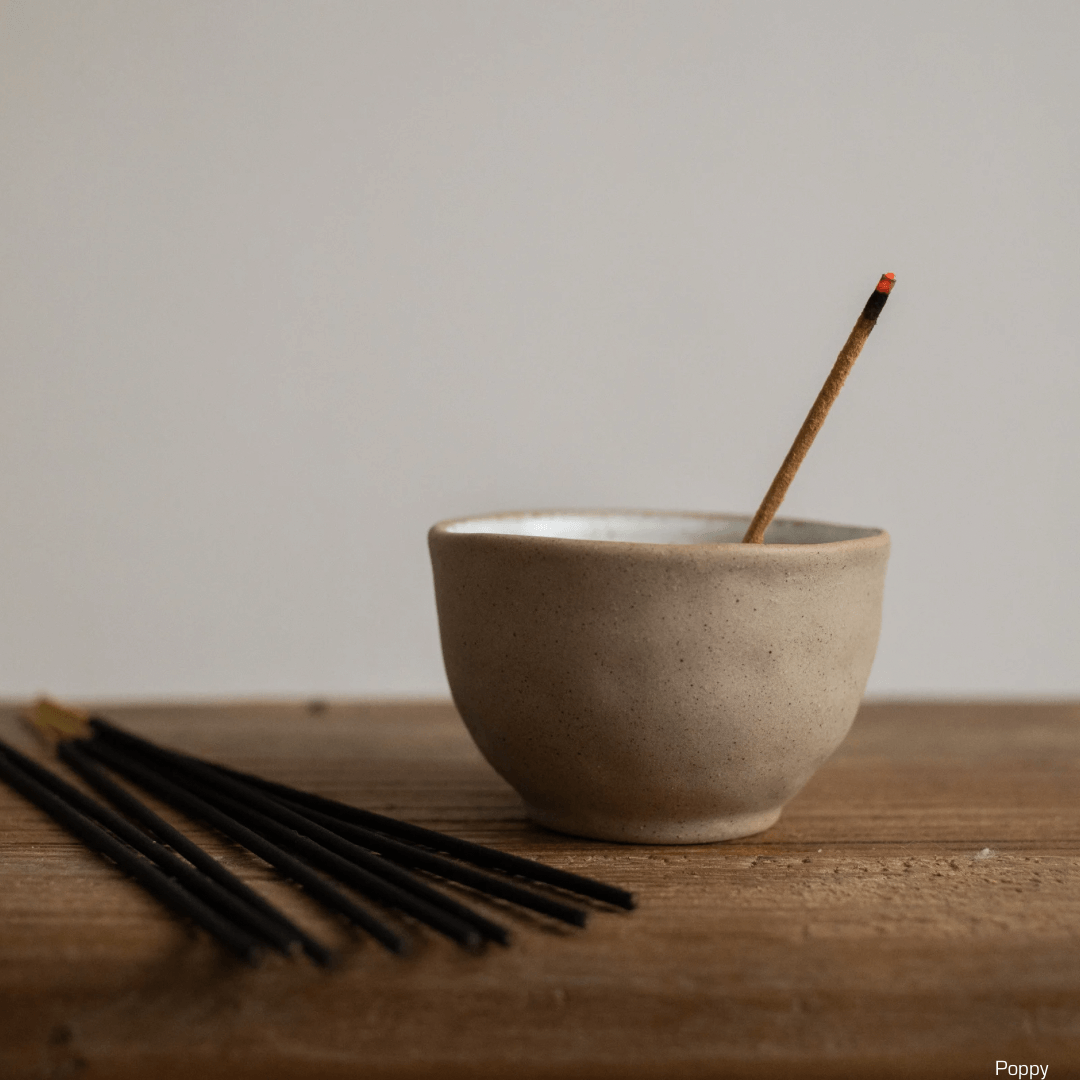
(644, 676)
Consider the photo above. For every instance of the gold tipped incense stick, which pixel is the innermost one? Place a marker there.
(294, 831)
(54, 722)
(819, 410)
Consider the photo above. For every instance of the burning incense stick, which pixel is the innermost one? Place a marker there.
(820, 409)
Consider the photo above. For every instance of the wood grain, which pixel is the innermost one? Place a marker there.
(861, 936)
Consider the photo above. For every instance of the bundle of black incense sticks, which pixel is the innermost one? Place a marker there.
(307, 838)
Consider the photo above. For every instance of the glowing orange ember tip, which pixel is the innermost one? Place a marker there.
(886, 283)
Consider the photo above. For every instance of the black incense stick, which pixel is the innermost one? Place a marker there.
(294, 831)
(284, 931)
(149, 876)
(360, 853)
(355, 844)
(206, 889)
(466, 850)
(477, 854)
(318, 888)
(422, 859)
(347, 870)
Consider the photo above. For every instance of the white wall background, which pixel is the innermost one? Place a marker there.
(281, 284)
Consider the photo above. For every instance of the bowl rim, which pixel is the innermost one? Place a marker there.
(878, 538)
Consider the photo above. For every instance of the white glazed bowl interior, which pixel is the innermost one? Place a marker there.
(640, 527)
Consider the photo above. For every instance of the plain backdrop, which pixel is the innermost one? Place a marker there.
(284, 283)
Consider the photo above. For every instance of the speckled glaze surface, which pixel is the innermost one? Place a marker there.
(645, 677)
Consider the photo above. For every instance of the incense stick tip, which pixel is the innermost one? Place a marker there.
(55, 722)
(886, 283)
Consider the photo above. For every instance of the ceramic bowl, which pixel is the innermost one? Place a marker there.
(646, 677)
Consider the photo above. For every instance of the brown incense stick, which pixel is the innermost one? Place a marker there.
(819, 410)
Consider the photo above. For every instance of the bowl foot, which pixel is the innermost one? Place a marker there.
(675, 831)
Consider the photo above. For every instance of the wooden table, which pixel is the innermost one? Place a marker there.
(916, 912)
